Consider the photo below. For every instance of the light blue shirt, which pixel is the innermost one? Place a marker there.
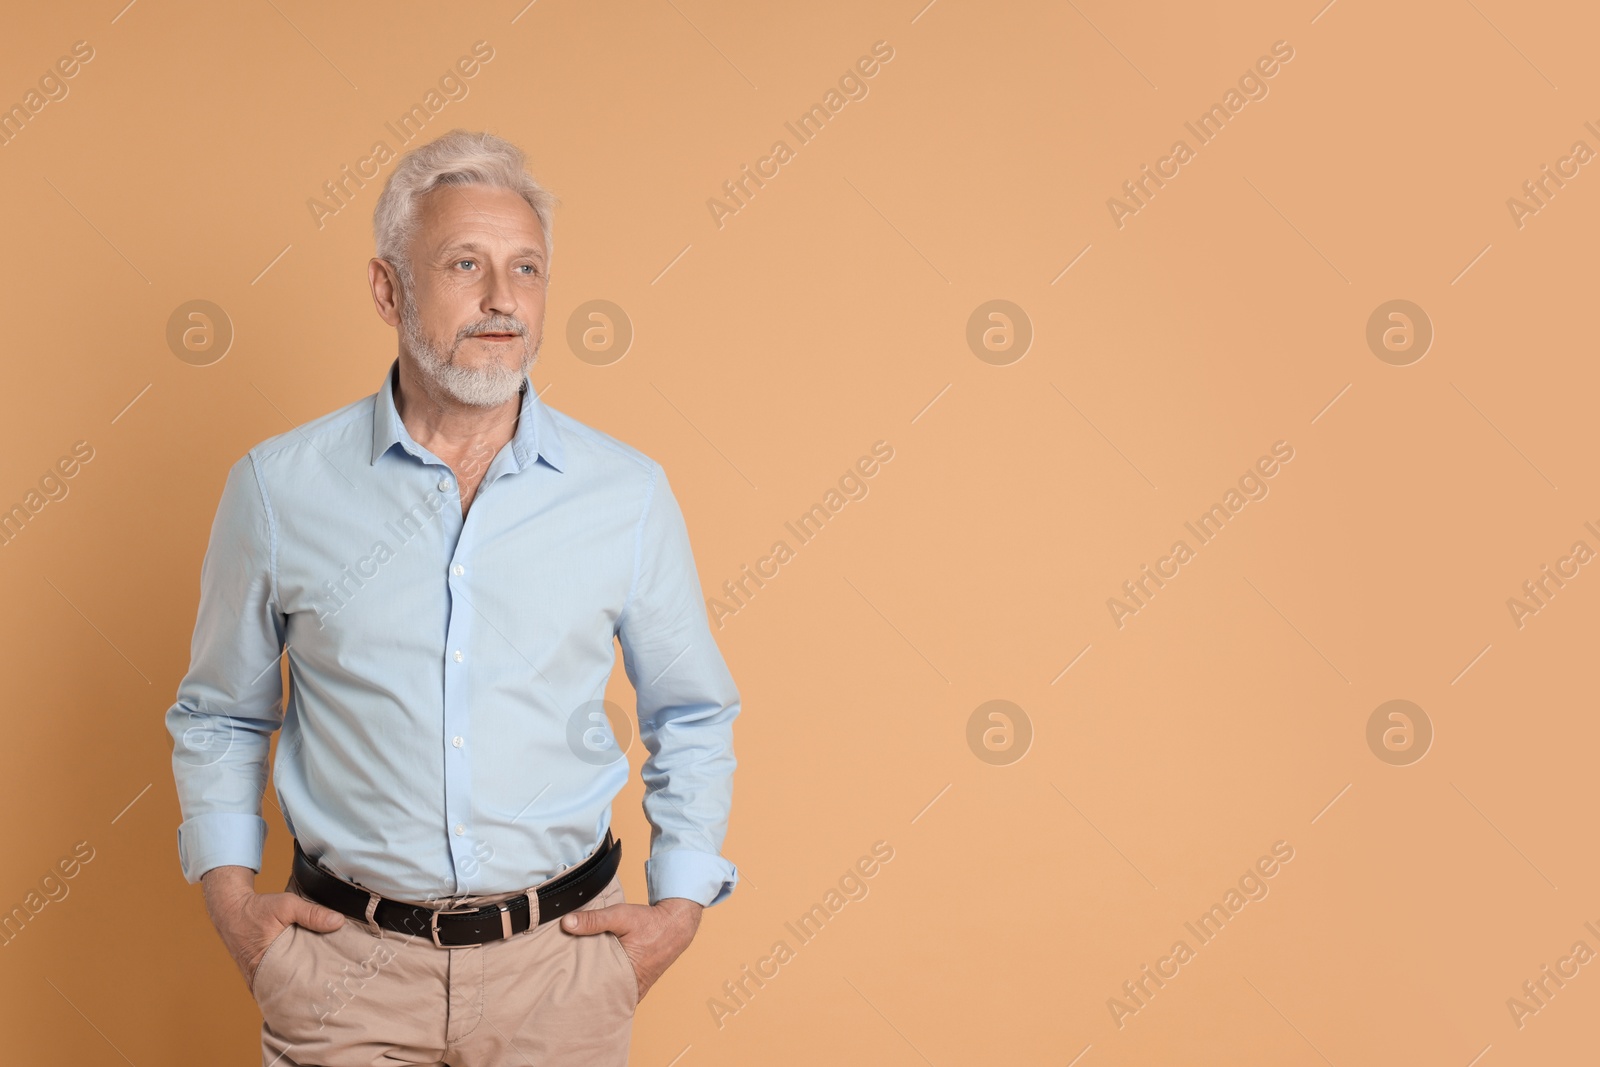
(444, 733)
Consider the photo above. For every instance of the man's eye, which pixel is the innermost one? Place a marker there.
(461, 261)
(531, 268)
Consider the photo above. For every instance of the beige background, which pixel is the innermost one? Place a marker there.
(832, 312)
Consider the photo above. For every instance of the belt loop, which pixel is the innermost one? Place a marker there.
(372, 912)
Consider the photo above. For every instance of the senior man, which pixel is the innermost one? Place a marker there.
(445, 564)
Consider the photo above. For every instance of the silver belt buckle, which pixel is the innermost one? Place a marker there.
(433, 922)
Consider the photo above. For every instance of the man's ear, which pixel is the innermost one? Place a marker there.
(385, 283)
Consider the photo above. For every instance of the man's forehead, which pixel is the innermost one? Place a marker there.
(453, 247)
(479, 217)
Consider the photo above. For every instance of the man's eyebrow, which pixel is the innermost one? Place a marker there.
(473, 246)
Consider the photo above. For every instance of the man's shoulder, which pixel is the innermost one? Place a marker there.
(321, 438)
(596, 451)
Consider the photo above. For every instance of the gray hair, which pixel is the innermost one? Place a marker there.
(460, 157)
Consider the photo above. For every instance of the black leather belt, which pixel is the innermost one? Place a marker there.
(569, 891)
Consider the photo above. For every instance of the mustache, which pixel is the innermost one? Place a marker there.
(495, 326)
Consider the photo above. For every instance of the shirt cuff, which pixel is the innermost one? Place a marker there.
(221, 839)
(703, 877)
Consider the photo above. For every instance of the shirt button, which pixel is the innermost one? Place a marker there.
(460, 829)
(444, 485)
(458, 655)
(456, 741)
(458, 570)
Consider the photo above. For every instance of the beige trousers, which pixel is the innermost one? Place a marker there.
(365, 997)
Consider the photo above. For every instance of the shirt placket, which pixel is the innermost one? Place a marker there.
(458, 660)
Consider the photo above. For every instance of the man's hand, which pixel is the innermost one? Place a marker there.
(652, 935)
(248, 921)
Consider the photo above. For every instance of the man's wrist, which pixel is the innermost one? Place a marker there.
(681, 904)
(227, 882)
(681, 912)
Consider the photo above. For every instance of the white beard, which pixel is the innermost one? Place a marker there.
(484, 387)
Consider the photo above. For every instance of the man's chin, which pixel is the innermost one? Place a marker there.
(469, 363)
(479, 356)
(482, 390)
(478, 400)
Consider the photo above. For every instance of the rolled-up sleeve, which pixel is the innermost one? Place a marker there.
(230, 701)
(687, 702)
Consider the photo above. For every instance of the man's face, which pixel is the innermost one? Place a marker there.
(474, 319)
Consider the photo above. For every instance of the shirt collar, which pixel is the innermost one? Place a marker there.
(535, 437)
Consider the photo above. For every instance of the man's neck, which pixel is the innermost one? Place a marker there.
(447, 428)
